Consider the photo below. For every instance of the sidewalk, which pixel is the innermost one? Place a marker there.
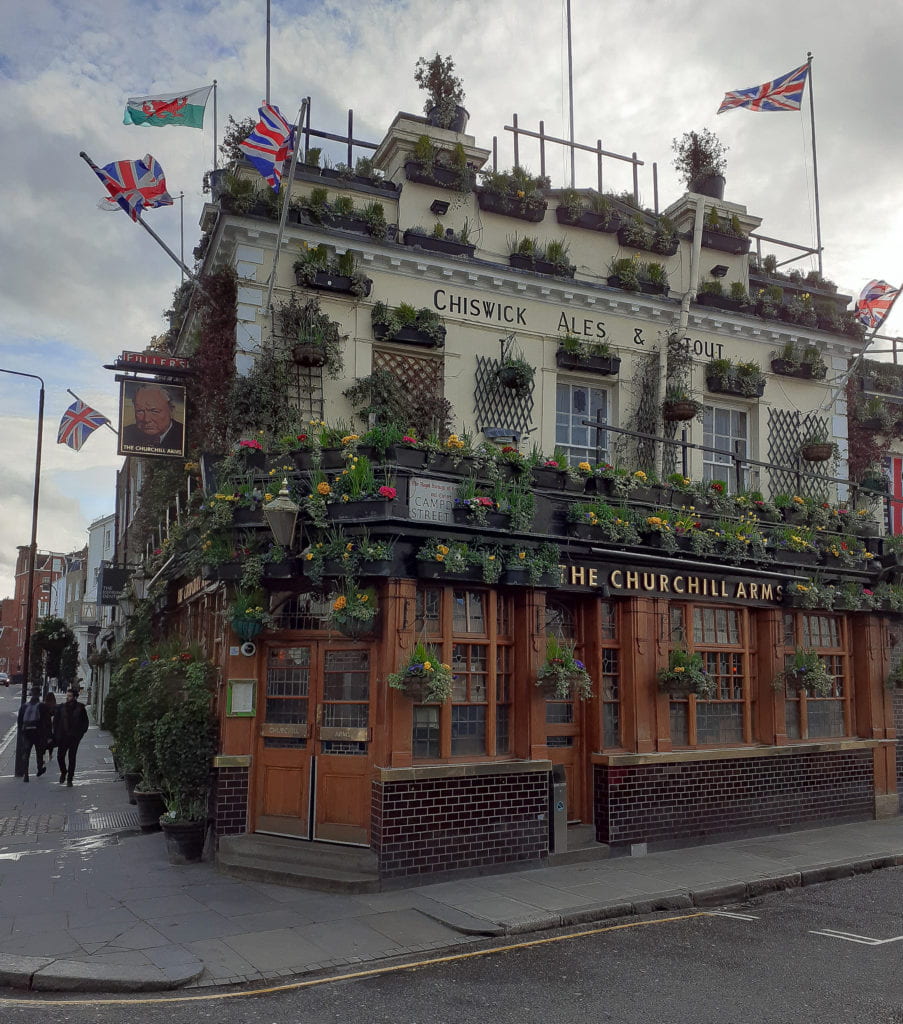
(87, 903)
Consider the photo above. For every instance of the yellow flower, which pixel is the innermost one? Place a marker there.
(520, 193)
(427, 666)
(798, 500)
(522, 555)
(272, 472)
(442, 549)
(584, 467)
(349, 546)
(440, 558)
(309, 556)
(268, 497)
(363, 598)
(639, 475)
(678, 668)
(345, 497)
(339, 603)
(348, 438)
(323, 488)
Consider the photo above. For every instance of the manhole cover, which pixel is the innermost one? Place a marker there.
(102, 821)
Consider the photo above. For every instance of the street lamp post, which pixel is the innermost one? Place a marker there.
(32, 558)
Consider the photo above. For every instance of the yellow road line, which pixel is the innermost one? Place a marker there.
(294, 986)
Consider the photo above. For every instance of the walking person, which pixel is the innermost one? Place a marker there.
(49, 702)
(34, 728)
(71, 723)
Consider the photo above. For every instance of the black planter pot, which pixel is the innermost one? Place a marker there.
(302, 459)
(583, 531)
(510, 207)
(786, 557)
(730, 386)
(677, 412)
(150, 807)
(724, 243)
(510, 377)
(449, 246)
(591, 221)
(324, 281)
(463, 466)
(651, 288)
(711, 185)
(624, 239)
(224, 571)
(522, 262)
(435, 571)
(494, 520)
(406, 458)
(718, 301)
(458, 122)
(608, 365)
(548, 477)
(184, 840)
(254, 458)
(358, 179)
(305, 354)
(279, 570)
(438, 177)
(410, 335)
(378, 508)
(804, 371)
(131, 780)
(377, 567)
(350, 223)
(247, 517)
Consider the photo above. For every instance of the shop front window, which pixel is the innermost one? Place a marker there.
(810, 717)
(720, 636)
(476, 720)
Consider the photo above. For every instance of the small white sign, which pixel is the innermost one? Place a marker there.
(431, 501)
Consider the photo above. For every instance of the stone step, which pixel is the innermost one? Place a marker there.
(581, 847)
(308, 865)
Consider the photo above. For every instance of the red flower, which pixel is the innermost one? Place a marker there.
(485, 501)
(253, 443)
(387, 492)
(302, 437)
(551, 463)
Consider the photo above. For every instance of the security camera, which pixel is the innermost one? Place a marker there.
(248, 649)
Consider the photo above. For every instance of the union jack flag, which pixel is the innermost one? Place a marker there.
(268, 146)
(874, 303)
(134, 185)
(784, 93)
(78, 423)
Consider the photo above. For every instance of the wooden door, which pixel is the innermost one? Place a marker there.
(565, 720)
(313, 765)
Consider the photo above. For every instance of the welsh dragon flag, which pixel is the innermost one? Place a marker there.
(185, 109)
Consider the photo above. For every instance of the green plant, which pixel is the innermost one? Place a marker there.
(794, 538)
(697, 155)
(654, 273)
(809, 594)
(427, 321)
(686, 674)
(425, 671)
(805, 670)
(556, 253)
(312, 157)
(445, 91)
(303, 323)
(634, 232)
(375, 216)
(521, 190)
(538, 563)
(626, 270)
(711, 288)
(572, 201)
(739, 293)
(425, 153)
(747, 377)
(615, 523)
(516, 374)
(352, 610)
(562, 674)
(664, 235)
(313, 261)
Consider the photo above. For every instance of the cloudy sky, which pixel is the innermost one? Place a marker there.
(79, 285)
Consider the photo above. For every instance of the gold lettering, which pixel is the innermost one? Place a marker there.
(633, 580)
(767, 589)
(616, 583)
(578, 574)
(563, 574)
(678, 589)
(594, 577)
(723, 588)
(648, 581)
(754, 591)
(778, 592)
(692, 584)
(741, 590)
(663, 583)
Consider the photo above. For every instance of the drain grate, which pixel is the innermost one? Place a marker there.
(102, 821)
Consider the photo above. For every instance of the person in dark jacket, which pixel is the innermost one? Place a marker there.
(34, 728)
(70, 724)
(49, 702)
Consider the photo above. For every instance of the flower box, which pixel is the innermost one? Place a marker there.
(549, 477)
(332, 458)
(608, 365)
(438, 177)
(462, 465)
(784, 556)
(410, 335)
(646, 287)
(254, 458)
(280, 570)
(609, 223)
(436, 571)
(449, 246)
(536, 266)
(246, 629)
(224, 571)
(724, 242)
(327, 282)
(247, 517)
(348, 223)
(376, 567)
(375, 508)
(511, 206)
(406, 458)
(804, 371)
(732, 386)
(494, 520)
(718, 301)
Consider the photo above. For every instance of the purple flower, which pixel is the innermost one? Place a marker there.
(579, 663)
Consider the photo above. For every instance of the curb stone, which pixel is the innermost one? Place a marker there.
(774, 883)
(17, 971)
(826, 872)
(75, 976)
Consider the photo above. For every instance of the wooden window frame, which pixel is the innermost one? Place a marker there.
(842, 651)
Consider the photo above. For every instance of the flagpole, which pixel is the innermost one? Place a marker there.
(106, 422)
(287, 188)
(214, 125)
(268, 54)
(181, 198)
(814, 166)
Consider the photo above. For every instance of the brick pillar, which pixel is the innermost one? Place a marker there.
(230, 798)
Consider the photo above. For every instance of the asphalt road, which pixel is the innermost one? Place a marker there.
(783, 960)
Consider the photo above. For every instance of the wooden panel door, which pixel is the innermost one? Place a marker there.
(565, 721)
(284, 748)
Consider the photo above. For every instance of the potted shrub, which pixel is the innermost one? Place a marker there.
(624, 274)
(724, 233)
(441, 239)
(445, 92)
(635, 233)
(699, 159)
(817, 446)
(653, 278)
(528, 254)
(515, 193)
(562, 676)
(440, 167)
(405, 323)
(665, 240)
(685, 674)
(595, 356)
(724, 376)
(515, 374)
(315, 268)
(424, 677)
(447, 559)
(805, 670)
(185, 739)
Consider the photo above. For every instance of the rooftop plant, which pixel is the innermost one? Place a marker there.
(698, 154)
(445, 91)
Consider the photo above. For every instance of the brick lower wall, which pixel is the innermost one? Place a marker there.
(433, 825)
(683, 801)
(230, 801)
(898, 725)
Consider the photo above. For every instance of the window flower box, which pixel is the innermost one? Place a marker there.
(732, 385)
(537, 266)
(511, 206)
(718, 301)
(371, 508)
(449, 246)
(734, 244)
(608, 365)
(325, 281)
(591, 221)
(409, 335)
(494, 520)
(803, 371)
(431, 570)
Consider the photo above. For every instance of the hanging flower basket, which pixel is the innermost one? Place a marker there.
(246, 629)
(817, 452)
(562, 676)
(676, 411)
(424, 678)
(306, 354)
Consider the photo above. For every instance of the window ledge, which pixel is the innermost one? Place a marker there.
(733, 753)
(460, 771)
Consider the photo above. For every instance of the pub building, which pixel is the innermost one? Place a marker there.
(674, 563)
